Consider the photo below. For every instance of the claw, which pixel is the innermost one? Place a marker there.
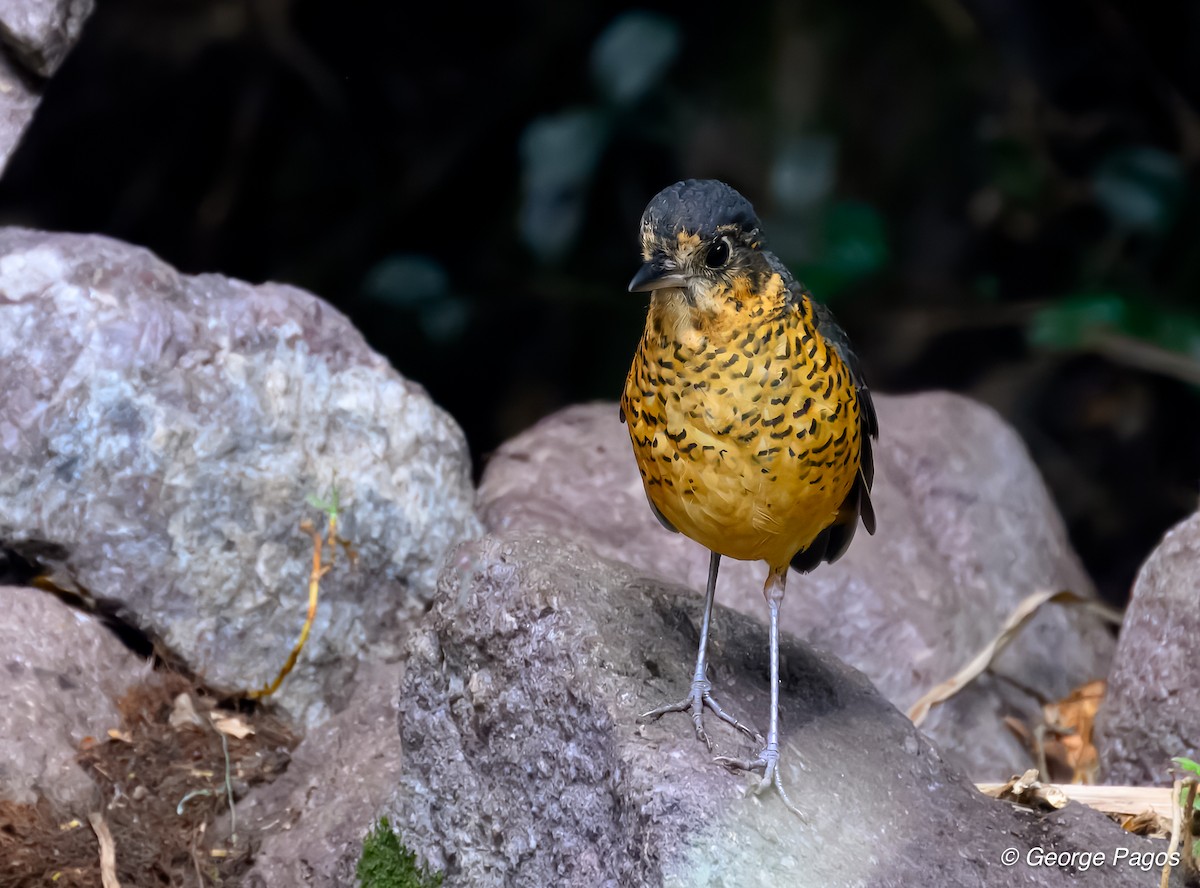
(699, 699)
(768, 763)
(767, 760)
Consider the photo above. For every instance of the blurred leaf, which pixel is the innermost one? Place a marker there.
(558, 157)
(804, 173)
(1139, 188)
(446, 320)
(1067, 322)
(1073, 322)
(630, 57)
(1188, 765)
(1015, 171)
(853, 245)
(856, 238)
(419, 284)
(987, 288)
(405, 280)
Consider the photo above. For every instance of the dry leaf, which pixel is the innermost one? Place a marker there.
(123, 736)
(982, 660)
(232, 725)
(1138, 803)
(183, 713)
(1071, 720)
(1062, 744)
(1148, 823)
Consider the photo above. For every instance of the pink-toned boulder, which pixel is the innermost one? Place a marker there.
(61, 675)
(966, 530)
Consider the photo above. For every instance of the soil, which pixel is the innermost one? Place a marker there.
(161, 790)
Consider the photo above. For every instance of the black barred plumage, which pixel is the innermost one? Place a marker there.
(731, 339)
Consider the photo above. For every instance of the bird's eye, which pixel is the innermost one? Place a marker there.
(718, 253)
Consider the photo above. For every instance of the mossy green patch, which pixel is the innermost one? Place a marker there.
(385, 863)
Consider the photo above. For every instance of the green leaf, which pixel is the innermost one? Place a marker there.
(1071, 321)
(1187, 764)
(330, 505)
(853, 245)
(1066, 324)
(856, 238)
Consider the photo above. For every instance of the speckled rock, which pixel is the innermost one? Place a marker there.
(1151, 710)
(35, 36)
(524, 763)
(165, 432)
(311, 821)
(966, 529)
(61, 673)
(40, 33)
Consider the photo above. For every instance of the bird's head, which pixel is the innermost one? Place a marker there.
(702, 252)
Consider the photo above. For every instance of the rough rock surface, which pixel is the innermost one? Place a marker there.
(313, 818)
(61, 673)
(966, 530)
(41, 32)
(165, 431)
(18, 99)
(1151, 709)
(524, 764)
(35, 36)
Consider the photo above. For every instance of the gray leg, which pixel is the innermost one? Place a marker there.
(700, 695)
(768, 759)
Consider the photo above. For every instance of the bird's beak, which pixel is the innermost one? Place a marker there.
(656, 275)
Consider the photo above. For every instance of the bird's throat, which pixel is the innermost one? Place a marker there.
(683, 314)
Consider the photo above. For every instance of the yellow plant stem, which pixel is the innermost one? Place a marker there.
(314, 588)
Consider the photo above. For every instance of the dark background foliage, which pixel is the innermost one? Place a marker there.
(997, 196)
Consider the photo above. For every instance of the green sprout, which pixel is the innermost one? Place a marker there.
(329, 506)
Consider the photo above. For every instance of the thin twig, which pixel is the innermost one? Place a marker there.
(314, 587)
(1143, 355)
(1176, 826)
(1189, 816)
(229, 791)
(108, 850)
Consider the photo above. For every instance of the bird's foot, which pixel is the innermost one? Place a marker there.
(696, 702)
(767, 762)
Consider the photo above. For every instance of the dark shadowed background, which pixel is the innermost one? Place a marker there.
(998, 197)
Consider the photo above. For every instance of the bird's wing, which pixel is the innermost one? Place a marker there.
(868, 420)
(832, 542)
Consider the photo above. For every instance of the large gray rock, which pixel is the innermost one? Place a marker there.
(18, 98)
(61, 674)
(1151, 709)
(524, 764)
(41, 32)
(35, 36)
(312, 820)
(966, 530)
(166, 430)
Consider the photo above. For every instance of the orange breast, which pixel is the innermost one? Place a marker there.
(748, 445)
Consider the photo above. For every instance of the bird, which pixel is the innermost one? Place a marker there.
(751, 424)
